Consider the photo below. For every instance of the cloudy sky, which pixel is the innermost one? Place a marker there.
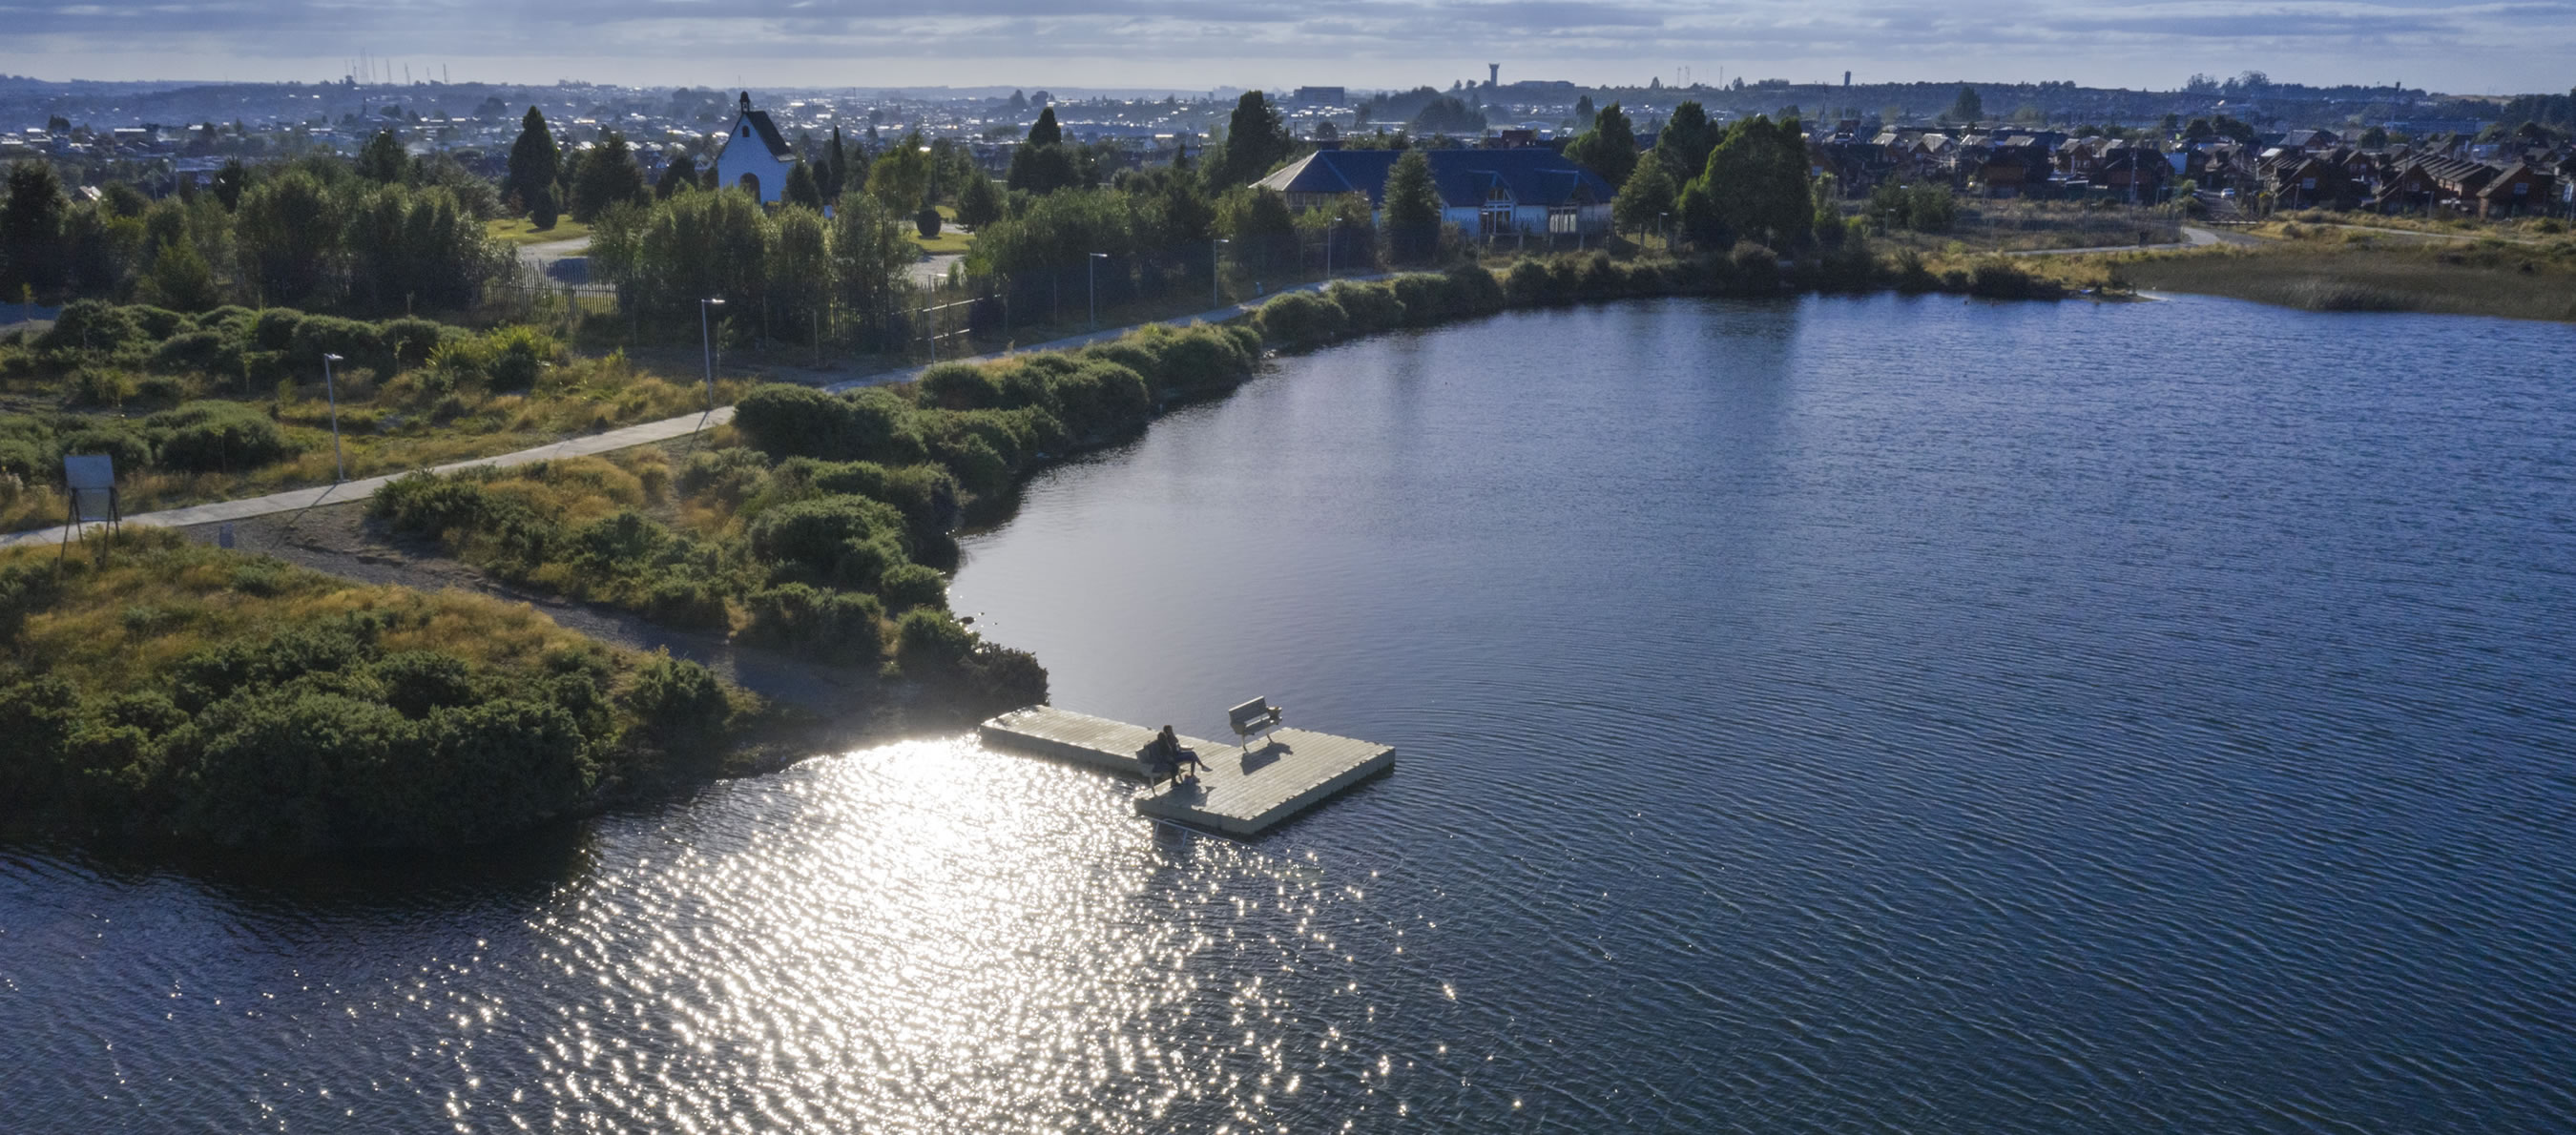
(2451, 45)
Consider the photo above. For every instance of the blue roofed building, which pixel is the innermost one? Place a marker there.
(1488, 193)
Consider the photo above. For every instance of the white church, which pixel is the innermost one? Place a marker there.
(755, 157)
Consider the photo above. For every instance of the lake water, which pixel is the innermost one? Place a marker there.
(1840, 715)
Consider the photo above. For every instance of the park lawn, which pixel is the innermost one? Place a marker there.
(515, 230)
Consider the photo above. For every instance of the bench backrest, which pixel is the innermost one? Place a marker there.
(1254, 710)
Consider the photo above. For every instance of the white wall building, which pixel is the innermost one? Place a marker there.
(755, 156)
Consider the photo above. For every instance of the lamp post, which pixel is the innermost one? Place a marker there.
(1092, 267)
(707, 343)
(1662, 233)
(1216, 271)
(330, 390)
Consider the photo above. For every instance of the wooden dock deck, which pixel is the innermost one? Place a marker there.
(1242, 792)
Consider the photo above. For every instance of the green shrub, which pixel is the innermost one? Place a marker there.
(730, 474)
(215, 436)
(679, 710)
(932, 642)
(906, 586)
(119, 440)
(1530, 283)
(844, 540)
(834, 626)
(960, 386)
(1370, 307)
(1301, 320)
(1423, 295)
(1471, 291)
(197, 352)
(101, 386)
(517, 355)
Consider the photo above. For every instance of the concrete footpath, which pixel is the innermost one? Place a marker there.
(623, 437)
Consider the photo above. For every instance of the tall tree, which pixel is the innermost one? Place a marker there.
(801, 188)
(836, 166)
(1256, 138)
(606, 175)
(534, 159)
(229, 182)
(1685, 141)
(1968, 107)
(31, 228)
(1412, 210)
(1046, 132)
(870, 258)
(979, 204)
(1755, 187)
(680, 176)
(289, 233)
(382, 159)
(1609, 148)
(1043, 168)
(1644, 202)
(901, 175)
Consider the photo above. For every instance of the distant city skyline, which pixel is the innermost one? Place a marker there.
(2515, 46)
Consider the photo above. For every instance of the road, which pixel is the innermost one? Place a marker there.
(642, 433)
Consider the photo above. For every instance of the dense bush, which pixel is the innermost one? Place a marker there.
(1370, 308)
(295, 722)
(1301, 320)
(835, 626)
(216, 437)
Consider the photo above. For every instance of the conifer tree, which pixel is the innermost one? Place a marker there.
(1412, 210)
(533, 160)
(1046, 132)
(382, 160)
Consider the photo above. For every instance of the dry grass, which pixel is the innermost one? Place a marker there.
(407, 423)
(2339, 270)
(158, 599)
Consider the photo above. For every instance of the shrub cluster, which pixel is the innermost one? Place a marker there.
(987, 424)
(257, 347)
(197, 437)
(805, 555)
(294, 712)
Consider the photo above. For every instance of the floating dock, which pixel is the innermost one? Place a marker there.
(1244, 791)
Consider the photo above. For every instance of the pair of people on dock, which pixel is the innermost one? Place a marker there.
(1165, 759)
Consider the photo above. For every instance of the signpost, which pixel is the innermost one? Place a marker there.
(90, 480)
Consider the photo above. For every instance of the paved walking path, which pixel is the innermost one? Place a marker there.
(623, 437)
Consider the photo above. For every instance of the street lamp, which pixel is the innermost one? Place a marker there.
(331, 390)
(707, 342)
(1662, 233)
(1092, 267)
(1216, 271)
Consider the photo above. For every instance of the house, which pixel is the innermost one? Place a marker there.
(2136, 171)
(755, 156)
(2517, 189)
(1533, 190)
(2310, 141)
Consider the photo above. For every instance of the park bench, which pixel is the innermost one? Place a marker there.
(1252, 717)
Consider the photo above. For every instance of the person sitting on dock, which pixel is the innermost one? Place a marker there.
(1166, 757)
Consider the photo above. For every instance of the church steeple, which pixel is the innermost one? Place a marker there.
(746, 102)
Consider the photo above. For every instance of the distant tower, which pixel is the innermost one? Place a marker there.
(1493, 74)
(1846, 80)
